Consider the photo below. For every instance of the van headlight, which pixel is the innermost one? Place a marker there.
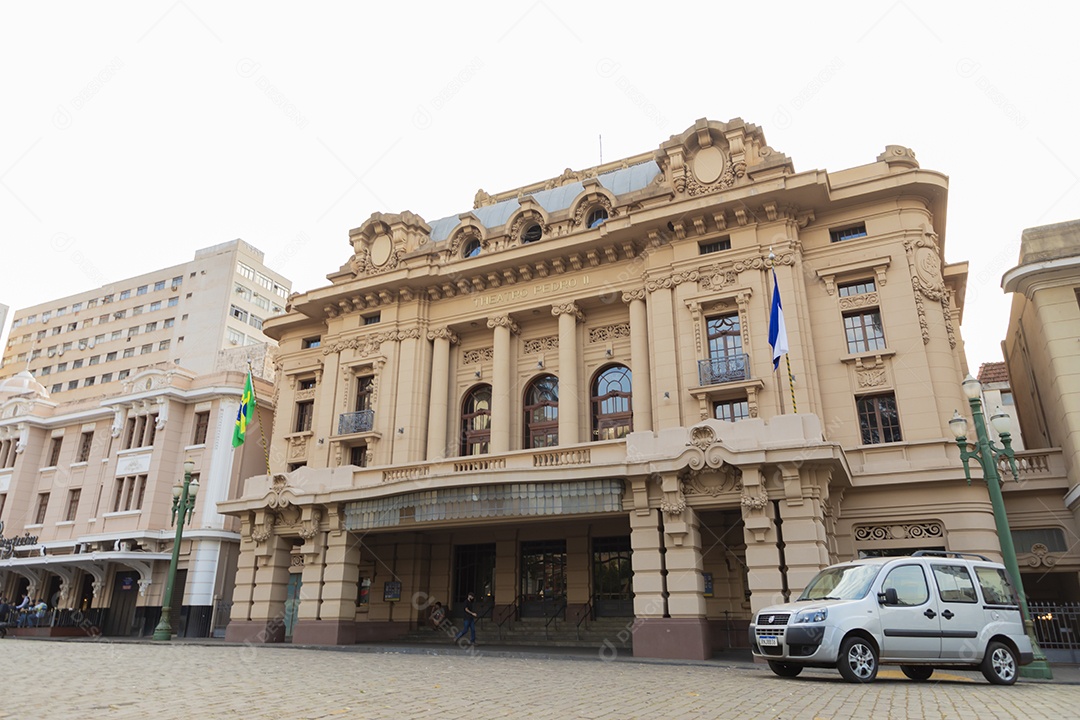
(814, 615)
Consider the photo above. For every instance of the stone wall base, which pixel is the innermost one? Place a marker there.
(380, 631)
(674, 638)
(324, 632)
(255, 631)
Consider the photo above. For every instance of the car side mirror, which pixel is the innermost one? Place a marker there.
(889, 597)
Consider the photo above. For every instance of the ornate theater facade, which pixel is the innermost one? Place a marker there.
(564, 400)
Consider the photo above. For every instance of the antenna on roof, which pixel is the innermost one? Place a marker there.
(601, 137)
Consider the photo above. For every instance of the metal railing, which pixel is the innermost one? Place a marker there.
(724, 369)
(557, 607)
(1057, 625)
(508, 613)
(586, 613)
(356, 422)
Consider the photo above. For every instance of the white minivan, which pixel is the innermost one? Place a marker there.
(929, 610)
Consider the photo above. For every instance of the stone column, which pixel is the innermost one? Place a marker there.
(440, 392)
(640, 377)
(411, 413)
(806, 549)
(503, 325)
(266, 613)
(664, 346)
(570, 398)
(647, 561)
(764, 575)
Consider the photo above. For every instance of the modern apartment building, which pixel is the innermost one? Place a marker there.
(564, 400)
(187, 316)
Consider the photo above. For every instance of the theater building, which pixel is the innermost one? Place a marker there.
(564, 400)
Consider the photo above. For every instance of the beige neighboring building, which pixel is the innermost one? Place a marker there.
(1042, 350)
(997, 394)
(564, 400)
(191, 315)
(86, 496)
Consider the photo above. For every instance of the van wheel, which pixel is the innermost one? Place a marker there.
(858, 661)
(999, 665)
(917, 672)
(786, 670)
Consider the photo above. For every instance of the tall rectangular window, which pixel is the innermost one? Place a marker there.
(202, 423)
(42, 508)
(879, 421)
(72, 504)
(305, 411)
(864, 331)
(85, 443)
(54, 451)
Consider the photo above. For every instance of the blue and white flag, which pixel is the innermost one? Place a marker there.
(777, 329)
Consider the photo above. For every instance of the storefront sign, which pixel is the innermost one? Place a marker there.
(8, 545)
(708, 584)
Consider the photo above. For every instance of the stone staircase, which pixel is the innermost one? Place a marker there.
(609, 634)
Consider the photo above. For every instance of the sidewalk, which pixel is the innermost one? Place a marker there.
(738, 659)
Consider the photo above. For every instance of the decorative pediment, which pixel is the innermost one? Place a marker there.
(594, 197)
(381, 242)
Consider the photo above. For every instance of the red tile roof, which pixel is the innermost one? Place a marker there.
(993, 372)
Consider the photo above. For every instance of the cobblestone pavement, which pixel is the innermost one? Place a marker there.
(129, 680)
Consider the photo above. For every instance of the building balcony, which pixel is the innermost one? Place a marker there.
(726, 369)
(361, 421)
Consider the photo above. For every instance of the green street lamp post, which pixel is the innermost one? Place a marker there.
(987, 454)
(182, 509)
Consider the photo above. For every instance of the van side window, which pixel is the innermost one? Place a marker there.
(909, 583)
(954, 584)
(995, 585)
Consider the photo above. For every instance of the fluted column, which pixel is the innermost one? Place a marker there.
(570, 399)
(503, 325)
(440, 392)
(640, 377)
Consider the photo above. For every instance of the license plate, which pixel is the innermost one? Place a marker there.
(768, 641)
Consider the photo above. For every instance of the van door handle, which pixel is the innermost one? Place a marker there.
(930, 613)
(948, 615)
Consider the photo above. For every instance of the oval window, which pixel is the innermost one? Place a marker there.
(597, 217)
(472, 249)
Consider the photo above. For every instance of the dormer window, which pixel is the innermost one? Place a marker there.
(597, 217)
(472, 248)
(532, 233)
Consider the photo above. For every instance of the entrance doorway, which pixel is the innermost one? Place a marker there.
(474, 572)
(613, 585)
(543, 578)
(125, 594)
(292, 603)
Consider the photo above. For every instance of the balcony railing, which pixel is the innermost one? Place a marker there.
(725, 369)
(355, 422)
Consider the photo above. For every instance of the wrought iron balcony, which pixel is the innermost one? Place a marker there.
(356, 422)
(729, 368)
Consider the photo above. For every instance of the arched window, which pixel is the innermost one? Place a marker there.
(533, 232)
(476, 421)
(597, 216)
(611, 407)
(472, 249)
(542, 412)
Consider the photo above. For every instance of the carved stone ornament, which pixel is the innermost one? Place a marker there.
(631, 295)
(870, 373)
(711, 171)
(503, 321)
(672, 280)
(702, 436)
(296, 561)
(755, 501)
(608, 333)
(298, 447)
(477, 355)
(524, 220)
(279, 487)
(592, 202)
(900, 531)
(713, 483)
(539, 345)
(462, 238)
(715, 278)
(308, 528)
(924, 263)
(568, 309)
(1040, 556)
(261, 532)
(856, 302)
(443, 333)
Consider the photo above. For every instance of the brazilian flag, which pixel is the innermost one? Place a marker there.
(244, 413)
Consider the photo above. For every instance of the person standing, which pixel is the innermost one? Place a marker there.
(23, 610)
(468, 621)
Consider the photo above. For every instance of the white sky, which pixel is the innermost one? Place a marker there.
(132, 138)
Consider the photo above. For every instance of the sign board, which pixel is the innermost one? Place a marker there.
(708, 584)
(391, 591)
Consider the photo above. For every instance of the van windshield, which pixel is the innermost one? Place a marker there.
(844, 582)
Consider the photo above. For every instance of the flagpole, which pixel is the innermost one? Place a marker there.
(791, 384)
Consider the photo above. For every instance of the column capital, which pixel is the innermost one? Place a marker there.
(504, 321)
(443, 333)
(632, 295)
(568, 309)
